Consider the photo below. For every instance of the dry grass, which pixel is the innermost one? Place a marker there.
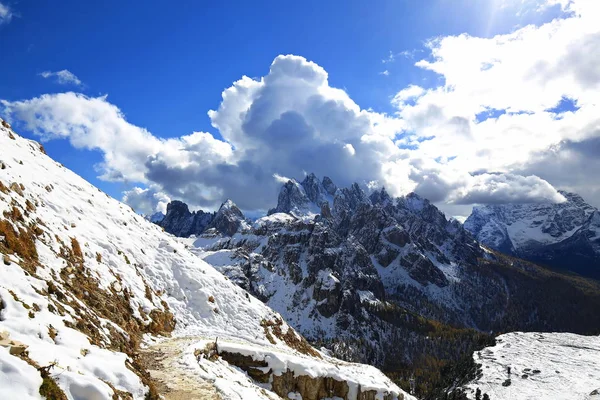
(17, 188)
(14, 214)
(3, 187)
(291, 338)
(20, 242)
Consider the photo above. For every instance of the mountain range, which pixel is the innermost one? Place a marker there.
(98, 302)
(386, 281)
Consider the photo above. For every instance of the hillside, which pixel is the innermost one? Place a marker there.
(92, 296)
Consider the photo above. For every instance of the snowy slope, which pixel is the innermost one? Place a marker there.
(558, 366)
(99, 279)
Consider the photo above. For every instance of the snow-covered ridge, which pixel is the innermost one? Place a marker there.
(84, 280)
(563, 235)
(523, 366)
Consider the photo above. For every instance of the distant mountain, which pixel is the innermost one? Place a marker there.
(179, 221)
(564, 235)
(390, 281)
(156, 217)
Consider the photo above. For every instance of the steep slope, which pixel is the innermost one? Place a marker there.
(524, 366)
(563, 235)
(85, 283)
(391, 281)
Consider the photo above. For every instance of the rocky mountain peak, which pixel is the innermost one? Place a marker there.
(292, 198)
(177, 207)
(156, 217)
(306, 197)
(380, 197)
(228, 219)
(329, 186)
(315, 192)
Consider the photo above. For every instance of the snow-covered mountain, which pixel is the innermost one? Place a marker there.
(389, 281)
(524, 366)
(156, 217)
(98, 303)
(564, 235)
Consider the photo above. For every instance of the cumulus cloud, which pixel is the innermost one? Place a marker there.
(62, 77)
(483, 136)
(147, 200)
(6, 14)
(507, 188)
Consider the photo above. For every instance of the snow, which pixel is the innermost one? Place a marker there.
(17, 378)
(277, 218)
(558, 366)
(327, 280)
(527, 226)
(124, 252)
(280, 361)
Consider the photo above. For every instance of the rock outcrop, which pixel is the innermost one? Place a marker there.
(179, 221)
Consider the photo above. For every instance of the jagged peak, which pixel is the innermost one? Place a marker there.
(177, 205)
(380, 196)
(329, 186)
(310, 178)
(573, 197)
(228, 204)
(230, 207)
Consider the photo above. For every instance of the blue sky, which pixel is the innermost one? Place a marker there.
(165, 65)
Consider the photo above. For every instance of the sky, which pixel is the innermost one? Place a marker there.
(465, 102)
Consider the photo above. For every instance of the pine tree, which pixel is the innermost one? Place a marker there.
(478, 394)
(486, 397)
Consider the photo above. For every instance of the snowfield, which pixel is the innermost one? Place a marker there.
(557, 366)
(103, 280)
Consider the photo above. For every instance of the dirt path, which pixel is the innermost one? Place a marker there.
(173, 380)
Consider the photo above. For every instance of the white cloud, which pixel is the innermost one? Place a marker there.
(507, 188)
(63, 77)
(391, 57)
(385, 73)
(6, 14)
(512, 80)
(147, 201)
(485, 135)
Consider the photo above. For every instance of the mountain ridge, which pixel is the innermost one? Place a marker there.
(383, 271)
(563, 235)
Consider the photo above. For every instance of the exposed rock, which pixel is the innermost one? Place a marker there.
(15, 347)
(310, 388)
(228, 219)
(181, 222)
